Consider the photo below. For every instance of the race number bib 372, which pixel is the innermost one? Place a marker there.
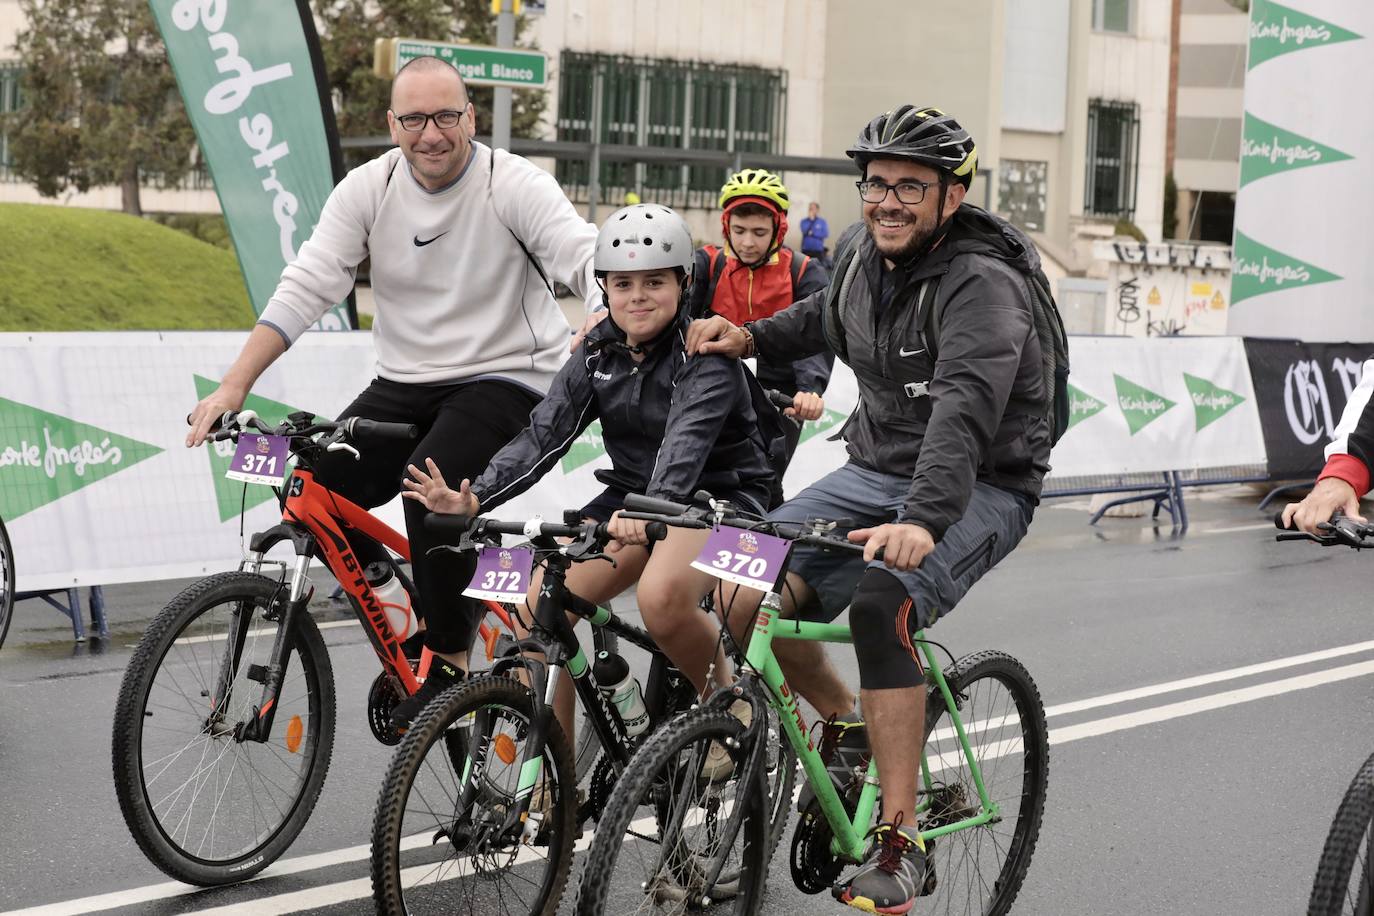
(259, 459)
(746, 558)
(503, 574)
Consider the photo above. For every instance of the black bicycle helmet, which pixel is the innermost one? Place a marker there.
(924, 135)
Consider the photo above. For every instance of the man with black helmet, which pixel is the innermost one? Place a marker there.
(930, 306)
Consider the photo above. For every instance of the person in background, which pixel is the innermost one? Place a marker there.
(814, 232)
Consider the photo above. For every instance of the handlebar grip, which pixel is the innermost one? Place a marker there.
(448, 525)
(221, 421)
(655, 531)
(361, 428)
(1278, 522)
(658, 506)
(779, 399)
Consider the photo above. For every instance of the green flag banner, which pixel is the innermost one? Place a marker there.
(1211, 402)
(44, 456)
(1257, 269)
(1082, 406)
(1266, 149)
(1139, 405)
(251, 74)
(1276, 30)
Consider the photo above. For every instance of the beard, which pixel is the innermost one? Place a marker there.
(900, 250)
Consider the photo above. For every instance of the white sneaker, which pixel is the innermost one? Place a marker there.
(718, 764)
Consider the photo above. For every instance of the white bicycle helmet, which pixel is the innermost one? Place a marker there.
(644, 237)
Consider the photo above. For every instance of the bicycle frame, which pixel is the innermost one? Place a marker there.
(314, 519)
(849, 836)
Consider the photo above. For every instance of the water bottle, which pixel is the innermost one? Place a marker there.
(394, 598)
(620, 687)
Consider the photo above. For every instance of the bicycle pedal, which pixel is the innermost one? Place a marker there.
(257, 673)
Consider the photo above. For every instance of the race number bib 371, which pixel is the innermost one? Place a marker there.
(503, 574)
(746, 558)
(259, 459)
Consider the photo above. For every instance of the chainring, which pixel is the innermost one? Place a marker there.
(600, 788)
(814, 868)
(381, 700)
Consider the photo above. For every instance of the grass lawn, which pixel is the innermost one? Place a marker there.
(73, 269)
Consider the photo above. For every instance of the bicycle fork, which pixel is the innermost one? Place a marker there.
(258, 727)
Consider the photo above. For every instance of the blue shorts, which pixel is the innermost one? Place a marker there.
(993, 523)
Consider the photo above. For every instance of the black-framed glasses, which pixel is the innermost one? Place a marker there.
(444, 120)
(908, 192)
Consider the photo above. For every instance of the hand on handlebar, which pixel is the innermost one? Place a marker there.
(626, 532)
(715, 335)
(1330, 495)
(210, 409)
(905, 545)
(806, 406)
(431, 491)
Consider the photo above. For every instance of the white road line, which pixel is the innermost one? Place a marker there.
(1201, 680)
(361, 888)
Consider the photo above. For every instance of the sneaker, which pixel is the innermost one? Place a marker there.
(892, 877)
(442, 676)
(843, 749)
(718, 764)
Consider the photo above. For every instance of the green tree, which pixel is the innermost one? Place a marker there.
(101, 104)
(349, 31)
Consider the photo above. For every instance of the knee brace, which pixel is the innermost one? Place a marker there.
(879, 616)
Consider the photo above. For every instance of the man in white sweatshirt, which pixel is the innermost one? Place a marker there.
(468, 334)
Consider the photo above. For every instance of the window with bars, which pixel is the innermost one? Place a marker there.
(11, 100)
(665, 104)
(1113, 158)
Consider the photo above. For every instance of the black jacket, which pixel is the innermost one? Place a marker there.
(671, 425)
(981, 413)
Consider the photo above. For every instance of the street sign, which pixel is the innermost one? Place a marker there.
(480, 65)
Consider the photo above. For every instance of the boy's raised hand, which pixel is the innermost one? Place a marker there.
(436, 495)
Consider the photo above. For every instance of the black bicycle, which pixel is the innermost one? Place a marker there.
(6, 582)
(1345, 881)
(479, 811)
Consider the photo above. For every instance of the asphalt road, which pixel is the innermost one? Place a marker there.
(1210, 793)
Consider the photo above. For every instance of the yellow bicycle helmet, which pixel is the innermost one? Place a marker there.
(754, 183)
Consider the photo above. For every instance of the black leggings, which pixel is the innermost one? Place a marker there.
(462, 426)
(881, 619)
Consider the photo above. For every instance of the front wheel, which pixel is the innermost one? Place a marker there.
(1345, 882)
(1004, 720)
(687, 825)
(445, 838)
(6, 582)
(206, 806)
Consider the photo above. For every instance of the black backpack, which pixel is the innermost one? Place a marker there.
(1049, 326)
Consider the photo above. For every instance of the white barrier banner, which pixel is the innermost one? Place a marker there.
(97, 486)
(1143, 405)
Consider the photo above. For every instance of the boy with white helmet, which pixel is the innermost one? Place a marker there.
(671, 425)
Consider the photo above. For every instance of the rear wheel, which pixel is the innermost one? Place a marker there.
(204, 805)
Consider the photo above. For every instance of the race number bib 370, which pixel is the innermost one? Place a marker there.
(503, 574)
(746, 558)
(259, 459)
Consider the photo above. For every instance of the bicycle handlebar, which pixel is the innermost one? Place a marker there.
(1342, 531)
(458, 525)
(780, 400)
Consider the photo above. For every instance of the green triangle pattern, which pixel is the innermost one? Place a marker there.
(827, 422)
(1266, 149)
(1276, 30)
(1140, 406)
(1082, 406)
(45, 456)
(585, 449)
(1258, 269)
(230, 494)
(1210, 401)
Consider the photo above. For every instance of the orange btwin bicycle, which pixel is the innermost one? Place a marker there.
(224, 725)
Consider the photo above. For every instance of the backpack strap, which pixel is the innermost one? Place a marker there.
(539, 268)
(928, 313)
(847, 267)
(798, 267)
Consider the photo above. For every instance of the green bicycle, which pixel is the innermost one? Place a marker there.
(983, 777)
